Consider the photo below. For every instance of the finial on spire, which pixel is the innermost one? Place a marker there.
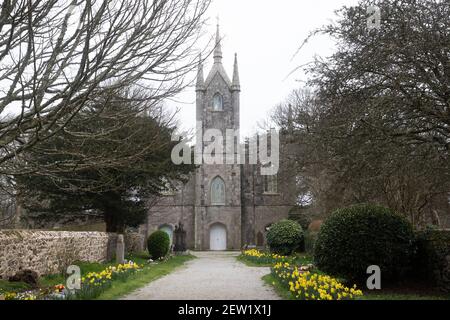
(218, 46)
(200, 79)
(235, 84)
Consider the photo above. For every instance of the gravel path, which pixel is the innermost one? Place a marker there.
(212, 276)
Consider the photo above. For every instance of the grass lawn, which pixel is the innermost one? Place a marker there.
(279, 289)
(118, 288)
(249, 263)
(7, 286)
(300, 258)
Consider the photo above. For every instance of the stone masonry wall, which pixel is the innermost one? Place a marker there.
(134, 242)
(47, 252)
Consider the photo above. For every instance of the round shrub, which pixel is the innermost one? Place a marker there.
(158, 244)
(354, 238)
(284, 237)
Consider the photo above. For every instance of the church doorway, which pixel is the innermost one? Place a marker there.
(217, 237)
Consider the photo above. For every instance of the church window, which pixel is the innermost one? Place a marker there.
(218, 191)
(218, 102)
(270, 184)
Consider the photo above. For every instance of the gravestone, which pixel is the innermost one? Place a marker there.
(180, 239)
(120, 249)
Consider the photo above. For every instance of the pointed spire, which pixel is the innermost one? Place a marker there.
(218, 47)
(200, 80)
(290, 125)
(236, 85)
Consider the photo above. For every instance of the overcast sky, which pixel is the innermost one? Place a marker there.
(265, 34)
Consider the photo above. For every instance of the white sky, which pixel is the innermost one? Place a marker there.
(265, 34)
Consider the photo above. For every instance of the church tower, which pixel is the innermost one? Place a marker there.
(218, 185)
(217, 96)
(224, 205)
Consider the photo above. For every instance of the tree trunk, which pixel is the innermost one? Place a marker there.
(113, 224)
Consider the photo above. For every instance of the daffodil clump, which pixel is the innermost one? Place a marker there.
(94, 283)
(306, 285)
(261, 257)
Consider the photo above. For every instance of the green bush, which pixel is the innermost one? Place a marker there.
(354, 238)
(431, 262)
(284, 237)
(158, 244)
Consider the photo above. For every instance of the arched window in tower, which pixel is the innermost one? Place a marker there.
(218, 102)
(218, 192)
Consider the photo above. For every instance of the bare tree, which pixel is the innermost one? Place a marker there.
(8, 206)
(340, 161)
(56, 55)
(399, 71)
(376, 128)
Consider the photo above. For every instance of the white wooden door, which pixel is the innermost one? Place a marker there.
(218, 238)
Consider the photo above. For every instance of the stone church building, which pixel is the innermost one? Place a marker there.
(223, 206)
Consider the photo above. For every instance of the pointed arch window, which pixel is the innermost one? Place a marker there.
(218, 102)
(218, 192)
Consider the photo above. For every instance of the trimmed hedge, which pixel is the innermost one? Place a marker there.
(158, 244)
(354, 238)
(432, 261)
(284, 237)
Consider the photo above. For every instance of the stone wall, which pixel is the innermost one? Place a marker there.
(48, 252)
(134, 242)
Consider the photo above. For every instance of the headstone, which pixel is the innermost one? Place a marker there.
(180, 239)
(120, 249)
